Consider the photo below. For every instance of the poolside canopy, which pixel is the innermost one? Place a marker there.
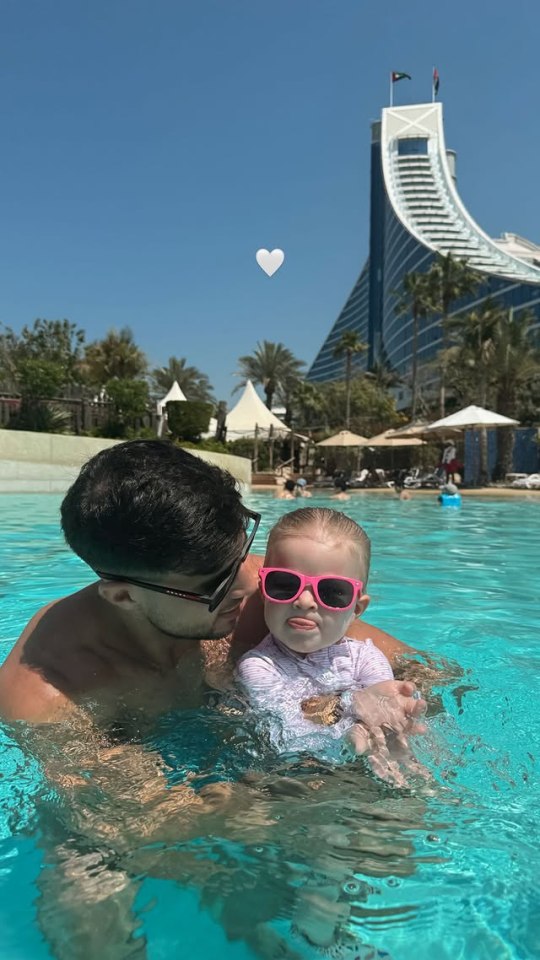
(175, 393)
(344, 439)
(251, 414)
(471, 417)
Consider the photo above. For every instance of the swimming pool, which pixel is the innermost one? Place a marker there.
(449, 872)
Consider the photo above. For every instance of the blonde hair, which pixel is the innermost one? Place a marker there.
(330, 525)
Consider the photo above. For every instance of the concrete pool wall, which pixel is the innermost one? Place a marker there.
(49, 462)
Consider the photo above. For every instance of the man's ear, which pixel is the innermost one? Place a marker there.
(117, 593)
(362, 604)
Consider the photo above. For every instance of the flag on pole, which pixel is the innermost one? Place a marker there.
(435, 82)
(394, 77)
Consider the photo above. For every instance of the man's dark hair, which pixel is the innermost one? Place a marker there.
(148, 506)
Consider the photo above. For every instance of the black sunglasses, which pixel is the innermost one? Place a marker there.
(214, 599)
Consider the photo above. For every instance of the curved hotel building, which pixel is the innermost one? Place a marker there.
(415, 213)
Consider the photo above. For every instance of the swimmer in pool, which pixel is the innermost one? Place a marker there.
(313, 584)
(341, 487)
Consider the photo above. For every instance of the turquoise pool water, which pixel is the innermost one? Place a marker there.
(445, 871)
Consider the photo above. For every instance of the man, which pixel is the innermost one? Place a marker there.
(169, 538)
(175, 604)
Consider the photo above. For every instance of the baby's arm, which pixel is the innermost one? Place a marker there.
(277, 700)
(370, 664)
(371, 667)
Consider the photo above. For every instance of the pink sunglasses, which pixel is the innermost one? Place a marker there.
(285, 586)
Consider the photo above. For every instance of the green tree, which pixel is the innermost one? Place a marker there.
(383, 375)
(449, 281)
(39, 381)
(188, 419)
(308, 405)
(469, 364)
(116, 356)
(494, 362)
(272, 365)
(58, 342)
(194, 384)
(129, 399)
(515, 366)
(372, 408)
(416, 300)
(349, 345)
(40, 363)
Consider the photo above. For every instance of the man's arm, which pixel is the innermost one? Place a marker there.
(387, 644)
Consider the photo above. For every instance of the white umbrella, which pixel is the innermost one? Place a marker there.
(471, 417)
(344, 439)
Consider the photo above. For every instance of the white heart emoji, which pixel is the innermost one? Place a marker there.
(269, 261)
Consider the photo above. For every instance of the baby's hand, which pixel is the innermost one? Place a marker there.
(386, 712)
(389, 707)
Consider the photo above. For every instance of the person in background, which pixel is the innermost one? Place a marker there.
(449, 462)
(301, 487)
(341, 487)
(449, 495)
(289, 490)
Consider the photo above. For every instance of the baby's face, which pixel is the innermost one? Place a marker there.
(304, 625)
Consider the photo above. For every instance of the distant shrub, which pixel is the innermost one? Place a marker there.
(187, 419)
(212, 445)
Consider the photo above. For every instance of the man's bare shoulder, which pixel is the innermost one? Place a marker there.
(36, 679)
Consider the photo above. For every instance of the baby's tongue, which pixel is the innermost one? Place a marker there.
(300, 623)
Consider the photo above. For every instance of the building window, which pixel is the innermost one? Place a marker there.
(412, 145)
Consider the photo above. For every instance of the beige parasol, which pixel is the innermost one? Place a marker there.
(345, 439)
(389, 439)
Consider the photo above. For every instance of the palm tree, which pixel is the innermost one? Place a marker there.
(493, 361)
(416, 301)
(116, 356)
(272, 365)
(471, 360)
(450, 280)
(516, 363)
(191, 381)
(383, 375)
(307, 403)
(349, 345)
(475, 333)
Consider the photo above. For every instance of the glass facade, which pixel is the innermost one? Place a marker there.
(409, 146)
(418, 196)
(354, 316)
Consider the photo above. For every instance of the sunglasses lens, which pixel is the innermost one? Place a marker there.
(281, 585)
(336, 593)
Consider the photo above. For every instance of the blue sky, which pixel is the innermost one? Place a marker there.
(150, 147)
